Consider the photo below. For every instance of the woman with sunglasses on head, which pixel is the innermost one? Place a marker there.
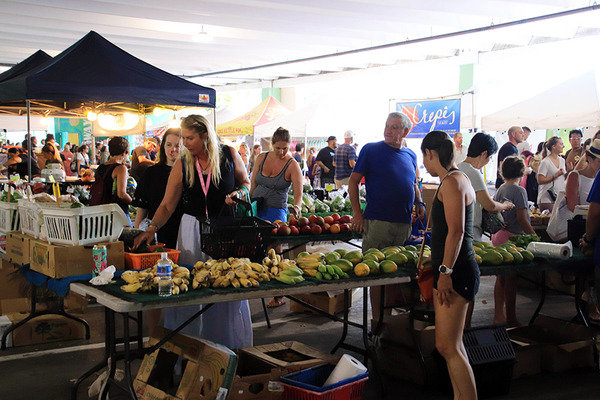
(207, 177)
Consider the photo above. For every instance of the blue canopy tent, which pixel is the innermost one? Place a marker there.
(95, 74)
(33, 61)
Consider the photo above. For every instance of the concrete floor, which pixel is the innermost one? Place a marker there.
(48, 371)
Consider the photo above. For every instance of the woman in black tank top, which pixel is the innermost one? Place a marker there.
(456, 274)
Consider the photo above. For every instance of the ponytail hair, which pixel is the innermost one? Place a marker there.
(548, 145)
(440, 142)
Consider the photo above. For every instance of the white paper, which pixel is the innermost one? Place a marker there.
(552, 250)
(105, 277)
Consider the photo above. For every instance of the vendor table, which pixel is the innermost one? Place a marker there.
(293, 242)
(117, 302)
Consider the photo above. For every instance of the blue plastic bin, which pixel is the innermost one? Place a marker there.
(307, 385)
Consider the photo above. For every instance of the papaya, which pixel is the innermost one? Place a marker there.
(527, 256)
(344, 265)
(411, 248)
(478, 259)
(482, 245)
(492, 257)
(507, 257)
(331, 257)
(362, 269)
(517, 256)
(388, 266)
(303, 254)
(380, 255)
(398, 258)
(412, 257)
(341, 252)
(353, 256)
(373, 266)
(370, 256)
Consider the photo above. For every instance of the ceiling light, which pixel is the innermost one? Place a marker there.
(91, 115)
(45, 121)
(158, 111)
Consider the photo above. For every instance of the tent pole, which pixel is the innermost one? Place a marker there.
(29, 149)
(93, 152)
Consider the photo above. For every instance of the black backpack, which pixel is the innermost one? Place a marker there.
(101, 190)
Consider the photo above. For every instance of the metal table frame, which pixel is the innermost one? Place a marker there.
(114, 305)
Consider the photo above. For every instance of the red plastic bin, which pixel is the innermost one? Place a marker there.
(306, 385)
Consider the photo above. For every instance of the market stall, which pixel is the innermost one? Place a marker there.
(244, 125)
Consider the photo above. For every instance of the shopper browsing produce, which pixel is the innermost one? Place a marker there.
(455, 270)
(206, 178)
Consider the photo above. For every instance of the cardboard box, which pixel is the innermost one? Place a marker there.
(256, 380)
(62, 261)
(16, 305)
(565, 345)
(45, 328)
(17, 247)
(428, 193)
(330, 302)
(292, 356)
(5, 323)
(12, 282)
(395, 329)
(208, 373)
(529, 359)
(76, 303)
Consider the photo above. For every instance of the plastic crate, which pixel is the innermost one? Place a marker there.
(236, 237)
(492, 358)
(148, 260)
(30, 215)
(86, 225)
(9, 217)
(307, 385)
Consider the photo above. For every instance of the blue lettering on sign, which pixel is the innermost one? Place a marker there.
(434, 115)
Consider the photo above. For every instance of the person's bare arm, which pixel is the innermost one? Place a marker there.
(524, 221)
(257, 164)
(323, 167)
(139, 216)
(120, 174)
(357, 214)
(489, 204)
(241, 177)
(352, 163)
(297, 182)
(572, 191)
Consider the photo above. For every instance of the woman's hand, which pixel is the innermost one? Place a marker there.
(559, 173)
(507, 205)
(444, 289)
(143, 237)
(229, 198)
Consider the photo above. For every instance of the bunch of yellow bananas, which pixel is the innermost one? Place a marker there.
(146, 280)
(236, 272)
(282, 269)
(310, 263)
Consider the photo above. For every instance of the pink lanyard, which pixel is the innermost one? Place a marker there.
(205, 185)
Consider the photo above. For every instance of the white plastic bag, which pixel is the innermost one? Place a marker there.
(557, 225)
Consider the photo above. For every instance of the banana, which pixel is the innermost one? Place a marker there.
(199, 265)
(311, 272)
(181, 272)
(292, 271)
(271, 254)
(330, 270)
(202, 276)
(225, 282)
(130, 276)
(245, 282)
(287, 279)
(177, 281)
(257, 267)
(263, 276)
(278, 257)
(175, 290)
(267, 262)
(306, 263)
(254, 282)
(218, 280)
(230, 275)
(235, 283)
(322, 268)
(195, 284)
(274, 270)
(338, 270)
(132, 287)
(240, 273)
(183, 288)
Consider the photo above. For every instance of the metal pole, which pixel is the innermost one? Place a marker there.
(29, 149)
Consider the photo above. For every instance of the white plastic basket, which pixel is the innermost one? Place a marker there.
(31, 217)
(9, 217)
(82, 226)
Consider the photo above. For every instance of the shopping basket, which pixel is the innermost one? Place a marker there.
(236, 236)
(308, 385)
(148, 260)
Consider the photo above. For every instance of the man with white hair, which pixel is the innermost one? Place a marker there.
(344, 160)
(515, 136)
(460, 151)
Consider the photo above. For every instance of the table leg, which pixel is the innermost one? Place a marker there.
(542, 298)
(61, 311)
(128, 377)
(340, 342)
(98, 366)
(266, 313)
(579, 285)
(112, 353)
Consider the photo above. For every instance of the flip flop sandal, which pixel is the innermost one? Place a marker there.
(275, 303)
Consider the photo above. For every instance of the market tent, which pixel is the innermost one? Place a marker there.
(266, 111)
(574, 102)
(33, 61)
(96, 73)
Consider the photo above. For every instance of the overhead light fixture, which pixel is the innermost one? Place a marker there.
(202, 36)
(173, 123)
(158, 111)
(118, 122)
(45, 121)
(91, 115)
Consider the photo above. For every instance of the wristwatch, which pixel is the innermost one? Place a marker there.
(445, 270)
(585, 239)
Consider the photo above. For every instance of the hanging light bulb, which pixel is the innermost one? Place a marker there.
(91, 115)
(45, 121)
(173, 123)
(158, 111)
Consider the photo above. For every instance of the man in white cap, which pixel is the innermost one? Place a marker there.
(344, 160)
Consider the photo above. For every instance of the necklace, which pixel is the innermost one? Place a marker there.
(203, 167)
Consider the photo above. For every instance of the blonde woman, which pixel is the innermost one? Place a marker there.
(245, 154)
(208, 175)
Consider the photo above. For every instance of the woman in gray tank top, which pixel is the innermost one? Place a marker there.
(271, 181)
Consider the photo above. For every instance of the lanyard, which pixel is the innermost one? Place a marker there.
(205, 185)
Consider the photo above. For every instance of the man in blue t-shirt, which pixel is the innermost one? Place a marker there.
(390, 176)
(344, 160)
(515, 136)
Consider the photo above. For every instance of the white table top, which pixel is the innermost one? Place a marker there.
(121, 305)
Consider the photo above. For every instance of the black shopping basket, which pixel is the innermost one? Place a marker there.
(236, 236)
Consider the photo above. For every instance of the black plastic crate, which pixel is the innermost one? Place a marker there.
(229, 236)
(492, 358)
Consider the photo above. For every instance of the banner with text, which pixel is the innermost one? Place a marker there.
(427, 116)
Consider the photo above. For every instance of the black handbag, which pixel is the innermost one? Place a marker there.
(491, 222)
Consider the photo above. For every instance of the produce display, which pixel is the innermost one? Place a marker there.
(338, 203)
(146, 280)
(506, 253)
(314, 225)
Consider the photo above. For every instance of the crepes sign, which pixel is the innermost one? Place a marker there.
(436, 115)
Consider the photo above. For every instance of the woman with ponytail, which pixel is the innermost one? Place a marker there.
(206, 177)
(551, 173)
(455, 270)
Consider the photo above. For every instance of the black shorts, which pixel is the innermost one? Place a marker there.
(465, 278)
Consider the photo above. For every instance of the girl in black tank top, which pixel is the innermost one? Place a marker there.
(456, 274)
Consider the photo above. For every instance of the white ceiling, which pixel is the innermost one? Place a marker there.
(251, 33)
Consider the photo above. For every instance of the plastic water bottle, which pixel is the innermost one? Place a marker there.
(163, 270)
